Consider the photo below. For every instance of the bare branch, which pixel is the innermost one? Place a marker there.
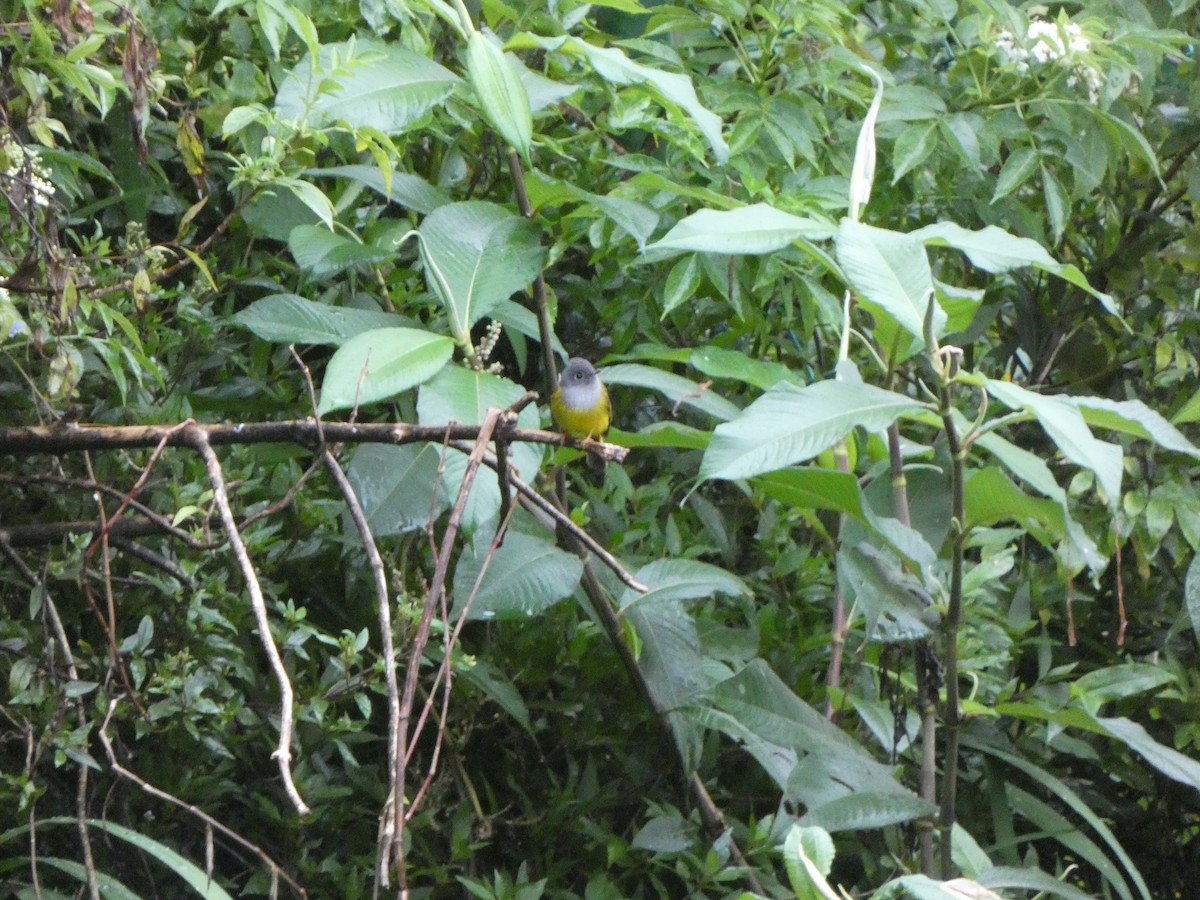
(198, 438)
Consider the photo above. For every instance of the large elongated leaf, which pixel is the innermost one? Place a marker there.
(861, 811)
(399, 488)
(1065, 425)
(477, 255)
(788, 425)
(681, 579)
(675, 387)
(379, 364)
(496, 79)
(291, 319)
(890, 272)
(754, 229)
(408, 190)
(364, 83)
(322, 253)
(1136, 418)
(995, 250)
(527, 575)
(1167, 760)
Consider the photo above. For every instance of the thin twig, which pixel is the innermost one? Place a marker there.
(200, 814)
(283, 752)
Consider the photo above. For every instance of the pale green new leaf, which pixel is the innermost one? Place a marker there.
(788, 425)
(808, 857)
(890, 273)
(381, 363)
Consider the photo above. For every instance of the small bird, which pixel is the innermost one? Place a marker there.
(580, 406)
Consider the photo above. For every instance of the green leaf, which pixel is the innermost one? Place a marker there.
(676, 388)
(291, 319)
(912, 148)
(322, 253)
(665, 834)
(995, 250)
(381, 363)
(681, 579)
(670, 657)
(1191, 592)
(457, 394)
(755, 229)
(1058, 205)
(1169, 762)
(410, 191)
(1061, 829)
(813, 488)
(716, 362)
(381, 86)
(399, 488)
(860, 812)
(311, 196)
(1059, 789)
(1001, 877)
(493, 684)
(496, 80)
(615, 67)
(1065, 425)
(789, 425)
(890, 272)
(1116, 682)
(526, 576)
(682, 283)
(476, 255)
(1017, 169)
(1136, 418)
(808, 857)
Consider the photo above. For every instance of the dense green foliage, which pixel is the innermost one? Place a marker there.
(897, 305)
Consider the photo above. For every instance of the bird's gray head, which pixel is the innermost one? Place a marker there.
(580, 384)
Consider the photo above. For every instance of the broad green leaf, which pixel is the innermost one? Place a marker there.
(990, 497)
(780, 730)
(526, 576)
(1115, 682)
(681, 579)
(1189, 412)
(636, 219)
(323, 253)
(381, 86)
(457, 394)
(1065, 425)
(381, 363)
(789, 425)
(496, 80)
(670, 657)
(995, 250)
(399, 488)
(410, 191)
(476, 255)
(1136, 418)
(813, 488)
(662, 434)
(676, 388)
(890, 273)
(615, 67)
(670, 833)
(291, 319)
(1058, 205)
(896, 606)
(311, 196)
(716, 362)
(860, 812)
(755, 229)
(808, 857)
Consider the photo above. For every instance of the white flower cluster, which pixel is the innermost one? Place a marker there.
(25, 173)
(1053, 43)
